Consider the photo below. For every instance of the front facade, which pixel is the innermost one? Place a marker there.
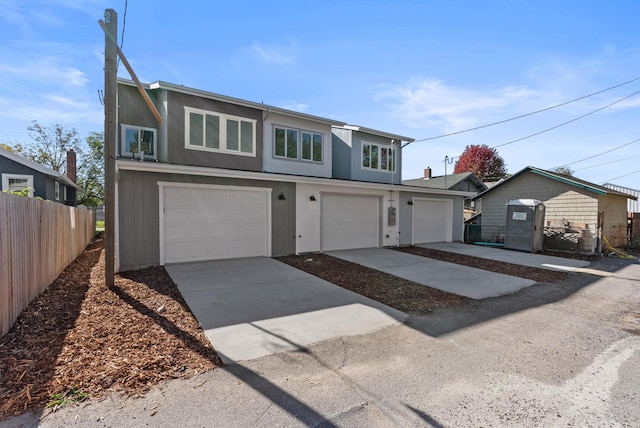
(228, 178)
(20, 174)
(570, 203)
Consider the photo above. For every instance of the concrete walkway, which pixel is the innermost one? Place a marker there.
(457, 279)
(253, 307)
(510, 256)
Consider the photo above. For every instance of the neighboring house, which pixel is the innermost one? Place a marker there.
(226, 178)
(633, 205)
(20, 173)
(466, 181)
(574, 206)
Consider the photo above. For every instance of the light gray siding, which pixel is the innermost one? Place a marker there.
(139, 217)
(349, 165)
(273, 163)
(405, 214)
(342, 153)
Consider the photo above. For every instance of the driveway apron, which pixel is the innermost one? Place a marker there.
(450, 277)
(509, 256)
(253, 307)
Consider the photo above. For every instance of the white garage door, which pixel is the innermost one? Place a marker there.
(432, 219)
(349, 221)
(214, 222)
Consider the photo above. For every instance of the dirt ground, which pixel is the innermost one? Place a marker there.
(81, 338)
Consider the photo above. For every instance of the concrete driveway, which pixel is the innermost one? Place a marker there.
(450, 277)
(510, 256)
(253, 307)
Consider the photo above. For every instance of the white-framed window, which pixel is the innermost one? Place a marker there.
(57, 190)
(378, 157)
(297, 144)
(138, 142)
(17, 183)
(218, 132)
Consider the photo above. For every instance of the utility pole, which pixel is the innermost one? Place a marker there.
(110, 74)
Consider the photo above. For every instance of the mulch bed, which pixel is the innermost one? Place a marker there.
(534, 274)
(80, 338)
(406, 296)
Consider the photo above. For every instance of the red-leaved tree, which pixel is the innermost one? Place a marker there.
(482, 160)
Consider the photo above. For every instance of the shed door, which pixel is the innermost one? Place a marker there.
(432, 220)
(208, 223)
(350, 221)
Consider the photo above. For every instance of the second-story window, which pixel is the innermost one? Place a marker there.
(377, 157)
(297, 144)
(218, 132)
(138, 141)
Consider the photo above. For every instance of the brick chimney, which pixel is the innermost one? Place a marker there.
(71, 165)
(427, 173)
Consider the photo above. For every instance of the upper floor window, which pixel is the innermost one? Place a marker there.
(18, 183)
(138, 142)
(297, 144)
(378, 157)
(57, 190)
(218, 132)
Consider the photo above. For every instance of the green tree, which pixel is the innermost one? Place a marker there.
(563, 170)
(482, 160)
(91, 172)
(51, 144)
(49, 148)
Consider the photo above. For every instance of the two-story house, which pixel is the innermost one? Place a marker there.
(222, 177)
(18, 173)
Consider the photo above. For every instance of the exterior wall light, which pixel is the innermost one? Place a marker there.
(312, 198)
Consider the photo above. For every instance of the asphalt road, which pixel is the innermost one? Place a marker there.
(549, 355)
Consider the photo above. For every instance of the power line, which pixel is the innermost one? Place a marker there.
(605, 163)
(567, 122)
(527, 114)
(626, 175)
(124, 25)
(602, 153)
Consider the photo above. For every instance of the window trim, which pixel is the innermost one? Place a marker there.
(123, 141)
(222, 130)
(299, 144)
(7, 176)
(392, 154)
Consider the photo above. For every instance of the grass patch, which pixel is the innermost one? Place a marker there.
(62, 399)
(99, 225)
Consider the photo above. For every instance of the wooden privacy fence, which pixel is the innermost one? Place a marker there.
(38, 239)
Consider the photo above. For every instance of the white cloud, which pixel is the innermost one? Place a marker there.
(427, 102)
(295, 106)
(43, 69)
(272, 54)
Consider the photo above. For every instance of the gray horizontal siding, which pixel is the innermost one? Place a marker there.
(139, 217)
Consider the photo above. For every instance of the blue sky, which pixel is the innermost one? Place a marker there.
(415, 68)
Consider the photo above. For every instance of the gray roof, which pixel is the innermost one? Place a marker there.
(38, 167)
(444, 181)
(567, 179)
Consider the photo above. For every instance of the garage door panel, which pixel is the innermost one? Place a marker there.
(215, 223)
(350, 221)
(432, 221)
